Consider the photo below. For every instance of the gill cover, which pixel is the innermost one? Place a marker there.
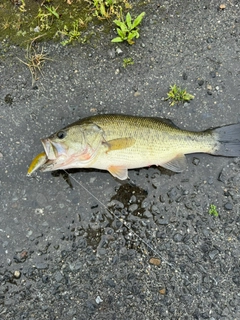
(73, 146)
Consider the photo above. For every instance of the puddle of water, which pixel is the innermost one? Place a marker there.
(129, 195)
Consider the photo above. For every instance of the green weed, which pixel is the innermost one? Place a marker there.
(46, 17)
(104, 9)
(71, 34)
(128, 30)
(213, 210)
(53, 11)
(22, 6)
(176, 95)
(127, 62)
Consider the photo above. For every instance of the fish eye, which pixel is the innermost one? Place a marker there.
(61, 134)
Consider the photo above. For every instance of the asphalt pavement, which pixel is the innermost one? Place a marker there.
(85, 245)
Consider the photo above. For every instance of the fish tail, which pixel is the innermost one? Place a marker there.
(228, 140)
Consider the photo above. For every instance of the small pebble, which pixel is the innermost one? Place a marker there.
(133, 199)
(39, 211)
(210, 180)
(111, 53)
(102, 251)
(223, 176)
(58, 276)
(41, 265)
(173, 194)
(162, 291)
(155, 261)
(45, 278)
(119, 51)
(213, 254)
(213, 74)
(98, 300)
(133, 207)
(147, 214)
(163, 221)
(110, 283)
(195, 161)
(155, 209)
(17, 274)
(177, 237)
(137, 93)
(184, 76)
(228, 206)
(37, 29)
(145, 204)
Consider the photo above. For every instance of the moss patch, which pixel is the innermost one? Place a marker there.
(65, 21)
(25, 20)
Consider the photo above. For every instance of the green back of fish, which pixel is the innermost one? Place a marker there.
(149, 133)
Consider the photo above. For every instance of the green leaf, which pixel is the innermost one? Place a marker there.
(137, 35)
(133, 34)
(129, 21)
(117, 22)
(121, 33)
(138, 20)
(102, 10)
(120, 24)
(117, 39)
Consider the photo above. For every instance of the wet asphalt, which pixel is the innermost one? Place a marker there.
(85, 245)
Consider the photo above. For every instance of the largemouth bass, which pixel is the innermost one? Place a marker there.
(120, 142)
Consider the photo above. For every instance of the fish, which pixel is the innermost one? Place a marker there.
(116, 143)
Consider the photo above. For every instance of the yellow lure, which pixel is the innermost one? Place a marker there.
(37, 162)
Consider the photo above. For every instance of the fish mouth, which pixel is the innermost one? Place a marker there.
(49, 149)
(52, 149)
(56, 155)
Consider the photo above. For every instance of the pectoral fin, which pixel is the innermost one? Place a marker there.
(177, 164)
(121, 143)
(118, 172)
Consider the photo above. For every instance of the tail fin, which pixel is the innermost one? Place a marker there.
(228, 138)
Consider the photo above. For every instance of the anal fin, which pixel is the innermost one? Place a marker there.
(118, 172)
(177, 164)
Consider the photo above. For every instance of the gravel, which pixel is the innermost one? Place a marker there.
(146, 248)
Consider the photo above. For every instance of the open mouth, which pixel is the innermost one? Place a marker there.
(53, 151)
(53, 158)
(50, 150)
(56, 155)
